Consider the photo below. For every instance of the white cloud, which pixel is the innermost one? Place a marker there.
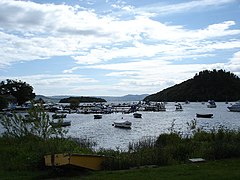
(61, 84)
(153, 75)
(234, 64)
(147, 48)
(32, 31)
(164, 9)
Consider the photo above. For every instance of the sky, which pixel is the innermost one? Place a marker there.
(116, 47)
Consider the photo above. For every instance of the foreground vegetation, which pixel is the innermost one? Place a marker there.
(24, 144)
(172, 148)
(220, 169)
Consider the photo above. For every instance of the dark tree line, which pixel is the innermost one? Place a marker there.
(82, 99)
(15, 91)
(218, 85)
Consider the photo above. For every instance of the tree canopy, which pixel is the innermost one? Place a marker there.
(218, 85)
(81, 99)
(18, 89)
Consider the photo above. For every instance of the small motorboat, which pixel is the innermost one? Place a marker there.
(137, 115)
(97, 116)
(235, 107)
(178, 107)
(59, 115)
(122, 124)
(60, 123)
(204, 115)
(211, 104)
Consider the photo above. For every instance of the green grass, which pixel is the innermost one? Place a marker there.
(221, 169)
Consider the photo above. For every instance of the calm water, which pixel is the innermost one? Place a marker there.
(152, 124)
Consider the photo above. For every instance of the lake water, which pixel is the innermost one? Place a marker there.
(151, 124)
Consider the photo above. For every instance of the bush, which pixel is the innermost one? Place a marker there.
(36, 124)
(174, 149)
(26, 141)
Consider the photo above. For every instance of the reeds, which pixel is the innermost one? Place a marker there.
(174, 148)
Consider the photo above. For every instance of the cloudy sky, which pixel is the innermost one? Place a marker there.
(116, 47)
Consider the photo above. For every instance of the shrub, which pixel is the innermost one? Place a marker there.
(26, 141)
(36, 124)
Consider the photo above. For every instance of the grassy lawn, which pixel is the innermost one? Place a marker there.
(223, 169)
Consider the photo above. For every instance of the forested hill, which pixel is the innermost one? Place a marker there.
(82, 99)
(216, 85)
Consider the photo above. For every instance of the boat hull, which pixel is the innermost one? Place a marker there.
(125, 124)
(97, 116)
(234, 109)
(137, 115)
(60, 124)
(204, 115)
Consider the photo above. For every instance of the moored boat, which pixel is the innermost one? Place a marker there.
(137, 115)
(178, 107)
(60, 123)
(122, 124)
(204, 115)
(59, 115)
(97, 116)
(235, 107)
(211, 104)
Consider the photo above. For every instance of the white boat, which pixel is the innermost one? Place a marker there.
(211, 104)
(178, 107)
(235, 107)
(122, 124)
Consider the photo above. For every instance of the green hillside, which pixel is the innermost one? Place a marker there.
(217, 85)
(82, 99)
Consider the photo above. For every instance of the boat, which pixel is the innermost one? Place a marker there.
(60, 123)
(97, 116)
(137, 115)
(204, 115)
(235, 107)
(122, 124)
(59, 115)
(178, 107)
(88, 161)
(211, 104)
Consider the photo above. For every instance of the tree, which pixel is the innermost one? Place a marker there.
(20, 90)
(3, 103)
(74, 103)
